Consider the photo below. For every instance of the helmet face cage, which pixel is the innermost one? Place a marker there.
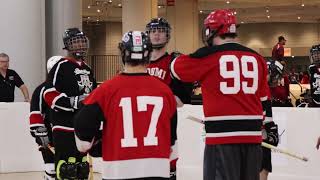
(161, 25)
(275, 70)
(135, 48)
(76, 43)
(315, 54)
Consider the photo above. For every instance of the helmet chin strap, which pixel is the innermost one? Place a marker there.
(159, 46)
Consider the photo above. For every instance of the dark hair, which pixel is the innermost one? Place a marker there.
(280, 38)
(228, 35)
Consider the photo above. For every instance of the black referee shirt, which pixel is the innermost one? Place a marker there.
(7, 85)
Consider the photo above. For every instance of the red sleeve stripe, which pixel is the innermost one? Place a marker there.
(36, 118)
(50, 95)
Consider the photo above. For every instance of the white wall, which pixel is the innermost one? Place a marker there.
(23, 39)
(18, 152)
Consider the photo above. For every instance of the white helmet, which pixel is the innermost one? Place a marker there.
(52, 61)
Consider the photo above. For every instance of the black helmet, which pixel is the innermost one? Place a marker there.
(315, 54)
(159, 23)
(275, 70)
(135, 48)
(76, 42)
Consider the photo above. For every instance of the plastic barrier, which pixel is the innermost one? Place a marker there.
(300, 127)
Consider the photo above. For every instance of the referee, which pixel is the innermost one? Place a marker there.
(9, 79)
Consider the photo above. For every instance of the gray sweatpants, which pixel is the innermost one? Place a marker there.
(232, 162)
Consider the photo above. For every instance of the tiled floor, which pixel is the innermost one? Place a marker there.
(31, 176)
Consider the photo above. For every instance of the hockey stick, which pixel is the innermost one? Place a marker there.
(90, 167)
(283, 151)
(51, 149)
(266, 145)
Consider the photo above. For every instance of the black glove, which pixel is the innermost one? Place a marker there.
(272, 133)
(41, 135)
(76, 101)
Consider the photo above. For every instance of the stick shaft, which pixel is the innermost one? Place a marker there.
(266, 145)
(90, 167)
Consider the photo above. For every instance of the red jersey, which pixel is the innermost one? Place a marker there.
(278, 52)
(160, 68)
(138, 128)
(281, 92)
(233, 82)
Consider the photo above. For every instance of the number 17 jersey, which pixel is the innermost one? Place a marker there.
(139, 129)
(233, 83)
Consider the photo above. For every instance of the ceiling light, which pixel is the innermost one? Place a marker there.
(98, 10)
(267, 10)
(242, 22)
(119, 4)
(159, 7)
(292, 56)
(268, 16)
(89, 6)
(201, 12)
(302, 5)
(110, 1)
(228, 2)
(299, 17)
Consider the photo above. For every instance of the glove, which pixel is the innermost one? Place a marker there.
(271, 130)
(76, 101)
(41, 135)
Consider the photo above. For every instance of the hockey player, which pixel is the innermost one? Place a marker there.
(236, 76)
(270, 129)
(314, 70)
(159, 32)
(40, 125)
(139, 124)
(70, 81)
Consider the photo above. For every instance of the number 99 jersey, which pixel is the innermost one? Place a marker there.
(139, 125)
(233, 82)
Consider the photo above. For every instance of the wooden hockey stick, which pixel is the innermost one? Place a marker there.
(51, 149)
(266, 145)
(90, 167)
(283, 151)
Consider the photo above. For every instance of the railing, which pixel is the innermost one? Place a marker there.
(104, 66)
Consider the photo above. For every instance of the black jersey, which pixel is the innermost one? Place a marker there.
(68, 78)
(39, 110)
(314, 71)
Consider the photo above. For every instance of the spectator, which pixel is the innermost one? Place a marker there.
(278, 49)
(9, 79)
(305, 78)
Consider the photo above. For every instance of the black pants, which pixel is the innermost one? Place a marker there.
(266, 160)
(232, 162)
(65, 146)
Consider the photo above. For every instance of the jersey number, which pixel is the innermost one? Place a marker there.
(236, 72)
(142, 101)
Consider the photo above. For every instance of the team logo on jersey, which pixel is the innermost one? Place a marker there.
(81, 71)
(85, 84)
(160, 73)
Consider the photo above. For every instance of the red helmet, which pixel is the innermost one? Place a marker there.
(219, 22)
